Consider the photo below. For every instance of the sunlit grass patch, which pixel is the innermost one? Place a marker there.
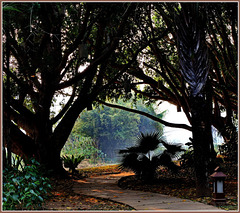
(93, 171)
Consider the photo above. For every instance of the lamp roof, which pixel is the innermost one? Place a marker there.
(218, 173)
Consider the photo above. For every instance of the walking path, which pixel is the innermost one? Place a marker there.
(106, 187)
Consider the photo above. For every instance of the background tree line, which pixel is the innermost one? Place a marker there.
(107, 130)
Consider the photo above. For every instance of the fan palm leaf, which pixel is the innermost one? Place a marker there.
(148, 142)
(136, 159)
(145, 143)
(173, 149)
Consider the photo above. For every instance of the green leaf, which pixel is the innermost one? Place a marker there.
(28, 204)
(27, 176)
(10, 8)
(33, 178)
(34, 185)
(34, 193)
(15, 197)
(40, 198)
(15, 180)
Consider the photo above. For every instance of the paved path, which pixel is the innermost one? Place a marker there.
(106, 187)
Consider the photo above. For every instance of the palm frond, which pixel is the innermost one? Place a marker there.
(148, 142)
(173, 149)
(193, 57)
(135, 158)
(145, 143)
(166, 160)
(130, 161)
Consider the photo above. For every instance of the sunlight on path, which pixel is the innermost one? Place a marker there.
(106, 187)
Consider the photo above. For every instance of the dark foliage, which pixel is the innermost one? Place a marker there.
(187, 160)
(140, 159)
(146, 142)
(230, 149)
(24, 187)
(72, 162)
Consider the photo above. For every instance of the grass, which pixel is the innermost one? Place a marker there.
(96, 171)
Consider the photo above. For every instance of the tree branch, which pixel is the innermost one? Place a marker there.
(183, 126)
(22, 145)
(25, 121)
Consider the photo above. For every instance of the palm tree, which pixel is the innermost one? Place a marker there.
(193, 59)
(141, 160)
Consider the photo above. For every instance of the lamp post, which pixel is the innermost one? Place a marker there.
(218, 187)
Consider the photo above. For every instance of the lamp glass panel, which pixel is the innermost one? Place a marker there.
(219, 186)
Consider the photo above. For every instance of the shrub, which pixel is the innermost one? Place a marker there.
(24, 189)
(85, 146)
(140, 158)
(72, 162)
(187, 161)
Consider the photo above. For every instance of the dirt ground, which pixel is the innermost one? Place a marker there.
(63, 198)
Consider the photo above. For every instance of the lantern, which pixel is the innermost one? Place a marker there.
(218, 187)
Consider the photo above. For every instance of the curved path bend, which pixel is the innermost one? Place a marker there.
(105, 186)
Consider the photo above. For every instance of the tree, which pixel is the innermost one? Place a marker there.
(111, 128)
(146, 124)
(193, 63)
(85, 146)
(194, 68)
(49, 43)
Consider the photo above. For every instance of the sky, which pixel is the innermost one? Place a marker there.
(175, 135)
(178, 135)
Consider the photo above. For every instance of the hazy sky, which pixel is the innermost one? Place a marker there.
(175, 134)
(180, 135)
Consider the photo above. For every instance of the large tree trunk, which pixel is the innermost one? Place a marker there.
(43, 149)
(46, 63)
(49, 157)
(204, 153)
(44, 143)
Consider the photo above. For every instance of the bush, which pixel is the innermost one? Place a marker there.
(187, 161)
(140, 158)
(24, 189)
(84, 146)
(72, 162)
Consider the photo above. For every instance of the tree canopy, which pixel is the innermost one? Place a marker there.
(97, 52)
(158, 66)
(46, 45)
